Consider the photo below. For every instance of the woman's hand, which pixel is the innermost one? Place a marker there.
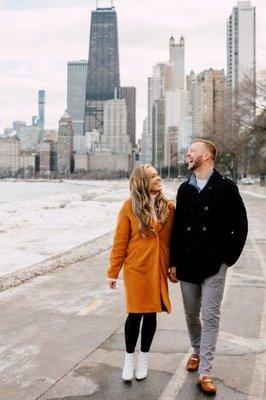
(172, 275)
(112, 284)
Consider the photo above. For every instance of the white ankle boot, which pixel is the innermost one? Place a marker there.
(127, 374)
(142, 368)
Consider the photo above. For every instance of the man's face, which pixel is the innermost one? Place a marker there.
(196, 155)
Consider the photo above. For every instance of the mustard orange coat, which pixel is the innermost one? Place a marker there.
(145, 261)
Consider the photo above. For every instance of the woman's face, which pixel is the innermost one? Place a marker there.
(156, 183)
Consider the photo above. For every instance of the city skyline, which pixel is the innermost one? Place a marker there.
(21, 75)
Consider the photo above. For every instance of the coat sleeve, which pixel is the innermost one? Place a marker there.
(174, 239)
(120, 243)
(238, 227)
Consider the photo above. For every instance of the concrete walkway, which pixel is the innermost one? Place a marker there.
(61, 334)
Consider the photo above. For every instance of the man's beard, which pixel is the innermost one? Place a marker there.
(196, 163)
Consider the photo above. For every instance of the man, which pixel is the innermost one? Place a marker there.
(209, 233)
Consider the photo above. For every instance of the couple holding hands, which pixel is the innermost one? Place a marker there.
(194, 243)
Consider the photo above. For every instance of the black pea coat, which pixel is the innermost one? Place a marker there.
(210, 228)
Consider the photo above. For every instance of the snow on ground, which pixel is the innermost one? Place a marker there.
(42, 219)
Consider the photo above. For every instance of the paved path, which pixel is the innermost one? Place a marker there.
(61, 335)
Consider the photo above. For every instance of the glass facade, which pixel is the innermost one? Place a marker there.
(76, 85)
(103, 75)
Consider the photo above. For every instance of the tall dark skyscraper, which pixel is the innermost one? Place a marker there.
(103, 66)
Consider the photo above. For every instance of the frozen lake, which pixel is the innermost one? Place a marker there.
(42, 219)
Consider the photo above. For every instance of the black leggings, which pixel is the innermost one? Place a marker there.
(132, 326)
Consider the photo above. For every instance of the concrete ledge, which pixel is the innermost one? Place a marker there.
(79, 253)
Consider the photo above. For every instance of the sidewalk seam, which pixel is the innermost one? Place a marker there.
(79, 362)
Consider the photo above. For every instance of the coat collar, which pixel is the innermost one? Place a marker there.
(213, 183)
(215, 180)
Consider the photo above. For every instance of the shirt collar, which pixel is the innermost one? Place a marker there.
(193, 180)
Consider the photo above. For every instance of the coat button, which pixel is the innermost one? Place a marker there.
(204, 228)
(206, 208)
(189, 228)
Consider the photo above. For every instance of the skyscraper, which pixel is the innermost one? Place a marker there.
(207, 94)
(129, 94)
(158, 121)
(177, 59)
(65, 145)
(209, 101)
(103, 76)
(241, 44)
(115, 137)
(76, 91)
(157, 83)
(41, 113)
(176, 98)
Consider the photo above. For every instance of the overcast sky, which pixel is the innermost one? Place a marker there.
(38, 37)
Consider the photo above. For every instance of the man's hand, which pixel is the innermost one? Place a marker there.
(112, 284)
(172, 275)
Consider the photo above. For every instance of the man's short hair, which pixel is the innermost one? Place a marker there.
(210, 146)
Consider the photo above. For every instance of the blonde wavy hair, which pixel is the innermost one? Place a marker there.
(140, 190)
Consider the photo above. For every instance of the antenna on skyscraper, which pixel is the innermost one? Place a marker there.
(104, 4)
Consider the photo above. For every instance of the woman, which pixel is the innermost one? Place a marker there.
(141, 244)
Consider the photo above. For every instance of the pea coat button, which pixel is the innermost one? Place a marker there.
(206, 208)
(204, 228)
(188, 228)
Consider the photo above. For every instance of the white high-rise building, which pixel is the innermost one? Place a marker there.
(76, 92)
(115, 137)
(167, 87)
(241, 44)
(184, 139)
(176, 99)
(160, 80)
(177, 60)
(144, 138)
(10, 151)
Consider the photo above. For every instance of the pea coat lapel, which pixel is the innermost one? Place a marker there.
(211, 186)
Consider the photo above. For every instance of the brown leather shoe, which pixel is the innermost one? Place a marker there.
(207, 385)
(193, 363)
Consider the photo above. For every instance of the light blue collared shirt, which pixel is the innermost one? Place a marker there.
(193, 180)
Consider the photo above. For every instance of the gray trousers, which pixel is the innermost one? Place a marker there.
(207, 298)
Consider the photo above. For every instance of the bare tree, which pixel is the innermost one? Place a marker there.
(239, 130)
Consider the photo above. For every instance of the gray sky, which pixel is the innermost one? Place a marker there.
(38, 37)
